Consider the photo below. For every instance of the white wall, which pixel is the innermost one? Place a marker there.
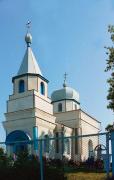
(20, 104)
(67, 105)
(43, 105)
(69, 118)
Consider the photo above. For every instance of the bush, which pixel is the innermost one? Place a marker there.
(27, 167)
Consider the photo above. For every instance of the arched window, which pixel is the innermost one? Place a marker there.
(21, 86)
(90, 149)
(46, 143)
(60, 107)
(42, 88)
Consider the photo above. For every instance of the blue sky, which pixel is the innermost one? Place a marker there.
(68, 36)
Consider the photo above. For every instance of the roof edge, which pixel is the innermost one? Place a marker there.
(66, 99)
(90, 116)
(29, 74)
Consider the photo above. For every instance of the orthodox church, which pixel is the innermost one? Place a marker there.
(31, 114)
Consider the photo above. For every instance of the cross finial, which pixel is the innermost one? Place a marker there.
(28, 25)
(28, 37)
(65, 78)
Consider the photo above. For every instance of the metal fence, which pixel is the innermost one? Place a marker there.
(85, 153)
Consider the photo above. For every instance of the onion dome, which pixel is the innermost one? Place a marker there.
(66, 93)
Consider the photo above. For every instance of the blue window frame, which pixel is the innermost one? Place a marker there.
(21, 86)
(18, 136)
(42, 88)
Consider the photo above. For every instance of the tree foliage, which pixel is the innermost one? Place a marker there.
(110, 68)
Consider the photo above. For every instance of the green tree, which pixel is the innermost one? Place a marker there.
(110, 68)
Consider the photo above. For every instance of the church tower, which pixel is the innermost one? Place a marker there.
(29, 110)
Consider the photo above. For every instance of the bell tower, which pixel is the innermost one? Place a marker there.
(29, 107)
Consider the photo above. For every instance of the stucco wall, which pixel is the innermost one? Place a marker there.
(33, 83)
(20, 104)
(43, 105)
(69, 118)
(89, 126)
(67, 105)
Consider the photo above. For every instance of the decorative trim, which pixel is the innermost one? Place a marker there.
(65, 100)
(75, 120)
(29, 95)
(30, 74)
(34, 108)
(20, 119)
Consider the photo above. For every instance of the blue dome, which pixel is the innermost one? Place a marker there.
(67, 93)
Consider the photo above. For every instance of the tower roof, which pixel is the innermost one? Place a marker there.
(29, 63)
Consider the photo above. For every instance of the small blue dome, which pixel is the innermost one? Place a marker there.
(65, 93)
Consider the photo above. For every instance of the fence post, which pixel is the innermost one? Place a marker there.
(41, 161)
(112, 146)
(35, 139)
(107, 155)
(62, 141)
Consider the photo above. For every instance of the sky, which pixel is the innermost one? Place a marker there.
(68, 36)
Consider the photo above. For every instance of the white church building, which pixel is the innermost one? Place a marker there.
(31, 114)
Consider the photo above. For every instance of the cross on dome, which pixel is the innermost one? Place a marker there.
(28, 25)
(65, 78)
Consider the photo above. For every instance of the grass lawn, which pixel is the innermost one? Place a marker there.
(85, 176)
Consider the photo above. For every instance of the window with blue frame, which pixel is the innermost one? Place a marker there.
(42, 88)
(21, 86)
